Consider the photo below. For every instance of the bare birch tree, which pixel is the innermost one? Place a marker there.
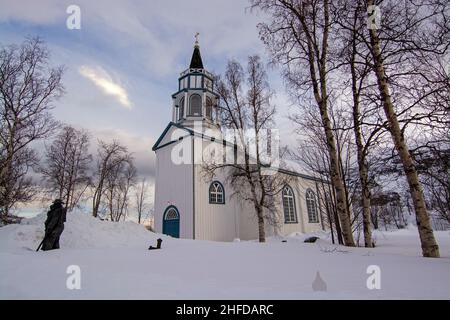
(67, 165)
(354, 72)
(119, 181)
(298, 39)
(413, 31)
(28, 89)
(246, 108)
(111, 156)
(141, 195)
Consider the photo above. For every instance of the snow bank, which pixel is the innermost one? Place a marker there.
(81, 231)
(115, 264)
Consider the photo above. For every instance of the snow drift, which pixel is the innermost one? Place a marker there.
(115, 264)
(81, 231)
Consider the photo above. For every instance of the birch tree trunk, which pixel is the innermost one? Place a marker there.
(362, 169)
(361, 154)
(336, 179)
(322, 101)
(321, 97)
(261, 230)
(428, 242)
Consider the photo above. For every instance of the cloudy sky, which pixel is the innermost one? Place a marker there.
(122, 65)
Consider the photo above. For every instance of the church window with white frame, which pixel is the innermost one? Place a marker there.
(216, 193)
(208, 108)
(181, 109)
(195, 105)
(290, 215)
(311, 206)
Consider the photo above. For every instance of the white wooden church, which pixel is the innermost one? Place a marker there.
(189, 206)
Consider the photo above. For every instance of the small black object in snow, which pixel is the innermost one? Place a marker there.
(283, 240)
(158, 245)
(311, 239)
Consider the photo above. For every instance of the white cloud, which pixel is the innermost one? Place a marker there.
(104, 81)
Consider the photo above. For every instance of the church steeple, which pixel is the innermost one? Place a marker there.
(195, 99)
(196, 61)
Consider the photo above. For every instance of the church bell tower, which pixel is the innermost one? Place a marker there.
(195, 99)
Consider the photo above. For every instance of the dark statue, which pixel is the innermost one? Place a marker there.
(158, 245)
(54, 225)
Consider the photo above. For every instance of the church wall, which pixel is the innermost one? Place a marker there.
(237, 218)
(249, 224)
(299, 185)
(174, 187)
(222, 222)
(217, 222)
(305, 184)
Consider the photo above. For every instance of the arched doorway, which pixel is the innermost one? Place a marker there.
(171, 222)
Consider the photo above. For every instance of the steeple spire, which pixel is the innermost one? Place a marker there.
(195, 99)
(196, 61)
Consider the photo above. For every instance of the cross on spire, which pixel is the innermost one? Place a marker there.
(196, 38)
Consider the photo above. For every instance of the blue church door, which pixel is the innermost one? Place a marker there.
(171, 222)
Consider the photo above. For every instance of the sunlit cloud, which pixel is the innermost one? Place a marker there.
(105, 82)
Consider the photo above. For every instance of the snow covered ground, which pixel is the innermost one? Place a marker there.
(115, 264)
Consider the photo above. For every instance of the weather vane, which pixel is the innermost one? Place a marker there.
(196, 38)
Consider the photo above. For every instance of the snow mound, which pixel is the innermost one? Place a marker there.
(81, 231)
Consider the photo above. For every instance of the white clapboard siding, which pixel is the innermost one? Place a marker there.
(174, 187)
(218, 222)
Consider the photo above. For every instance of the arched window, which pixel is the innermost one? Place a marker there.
(171, 222)
(171, 214)
(311, 206)
(290, 216)
(208, 108)
(216, 193)
(195, 105)
(181, 109)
